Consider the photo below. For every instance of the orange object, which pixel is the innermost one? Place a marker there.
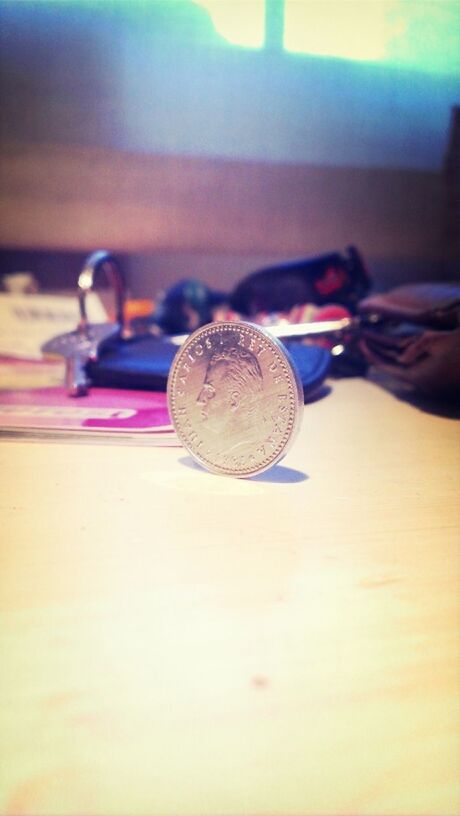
(138, 308)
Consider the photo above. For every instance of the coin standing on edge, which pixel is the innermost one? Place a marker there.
(235, 398)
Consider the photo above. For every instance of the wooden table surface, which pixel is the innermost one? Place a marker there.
(174, 642)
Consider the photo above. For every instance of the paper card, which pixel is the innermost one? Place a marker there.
(28, 321)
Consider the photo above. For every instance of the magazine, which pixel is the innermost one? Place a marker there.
(105, 414)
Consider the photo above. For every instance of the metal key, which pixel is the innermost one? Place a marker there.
(86, 342)
(284, 331)
(78, 348)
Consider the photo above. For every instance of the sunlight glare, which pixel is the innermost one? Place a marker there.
(241, 22)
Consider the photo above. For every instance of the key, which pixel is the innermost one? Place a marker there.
(78, 348)
(284, 331)
(84, 344)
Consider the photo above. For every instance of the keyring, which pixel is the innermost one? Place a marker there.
(102, 261)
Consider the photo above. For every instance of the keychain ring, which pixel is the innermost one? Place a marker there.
(101, 260)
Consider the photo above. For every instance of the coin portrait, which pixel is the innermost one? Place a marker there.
(231, 399)
(234, 398)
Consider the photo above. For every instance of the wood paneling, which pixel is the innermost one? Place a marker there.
(59, 197)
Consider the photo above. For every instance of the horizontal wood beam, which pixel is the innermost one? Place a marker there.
(58, 197)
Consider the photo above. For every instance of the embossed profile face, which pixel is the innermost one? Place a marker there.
(231, 397)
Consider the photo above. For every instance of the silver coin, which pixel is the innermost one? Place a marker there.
(235, 398)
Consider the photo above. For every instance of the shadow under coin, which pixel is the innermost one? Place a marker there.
(279, 474)
(318, 394)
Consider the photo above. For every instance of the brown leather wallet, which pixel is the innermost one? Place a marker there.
(418, 336)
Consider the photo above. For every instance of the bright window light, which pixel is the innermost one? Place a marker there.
(341, 29)
(241, 22)
(419, 34)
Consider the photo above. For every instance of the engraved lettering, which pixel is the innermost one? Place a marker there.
(282, 398)
(280, 416)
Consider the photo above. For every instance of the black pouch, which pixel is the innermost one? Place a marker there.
(144, 362)
(330, 278)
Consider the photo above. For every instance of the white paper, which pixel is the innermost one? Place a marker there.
(28, 321)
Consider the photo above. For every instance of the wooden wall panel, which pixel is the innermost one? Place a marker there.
(58, 197)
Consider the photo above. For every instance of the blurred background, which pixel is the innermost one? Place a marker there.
(210, 138)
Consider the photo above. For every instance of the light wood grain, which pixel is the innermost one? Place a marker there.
(77, 198)
(175, 642)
